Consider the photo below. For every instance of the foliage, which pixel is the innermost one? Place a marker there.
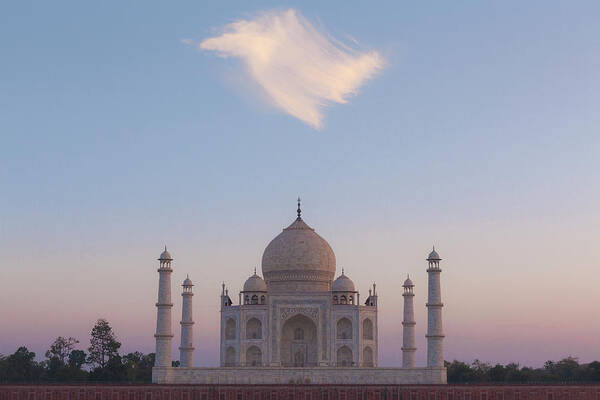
(77, 359)
(20, 367)
(567, 370)
(61, 349)
(139, 366)
(103, 344)
(64, 363)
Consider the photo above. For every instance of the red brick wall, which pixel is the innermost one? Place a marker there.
(299, 392)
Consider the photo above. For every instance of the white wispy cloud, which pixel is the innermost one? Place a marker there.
(300, 68)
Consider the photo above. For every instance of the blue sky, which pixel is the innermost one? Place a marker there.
(480, 135)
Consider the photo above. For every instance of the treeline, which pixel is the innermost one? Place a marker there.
(567, 370)
(103, 363)
(65, 363)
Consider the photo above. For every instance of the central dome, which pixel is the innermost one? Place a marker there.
(298, 259)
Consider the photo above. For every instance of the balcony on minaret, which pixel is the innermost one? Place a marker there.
(434, 261)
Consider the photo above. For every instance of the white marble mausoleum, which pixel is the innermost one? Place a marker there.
(299, 323)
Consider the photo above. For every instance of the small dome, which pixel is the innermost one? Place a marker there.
(165, 255)
(343, 284)
(408, 282)
(255, 284)
(433, 256)
(188, 282)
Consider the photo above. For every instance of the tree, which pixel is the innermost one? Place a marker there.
(497, 373)
(593, 372)
(139, 366)
(568, 369)
(460, 372)
(77, 359)
(3, 369)
(21, 366)
(103, 344)
(61, 348)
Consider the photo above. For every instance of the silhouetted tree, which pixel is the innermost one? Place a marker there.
(61, 348)
(593, 372)
(566, 370)
(103, 344)
(139, 366)
(77, 359)
(497, 373)
(3, 369)
(21, 367)
(460, 372)
(57, 367)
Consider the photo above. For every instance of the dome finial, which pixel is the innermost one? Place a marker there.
(165, 255)
(254, 270)
(299, 211)
(342, 271)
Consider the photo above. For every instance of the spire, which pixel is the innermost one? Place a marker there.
(342, 271)
(299, 211)
(254, 270)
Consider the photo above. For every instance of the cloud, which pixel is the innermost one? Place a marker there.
(300, 68)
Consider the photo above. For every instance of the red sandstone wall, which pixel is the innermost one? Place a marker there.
(299, 392)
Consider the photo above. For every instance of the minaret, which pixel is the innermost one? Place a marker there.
(163, 316)
(186, 350)
(435, 333)
(408, 326)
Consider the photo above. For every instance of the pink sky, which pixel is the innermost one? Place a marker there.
(524, 295)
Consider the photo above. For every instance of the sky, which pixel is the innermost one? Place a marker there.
(473, 126)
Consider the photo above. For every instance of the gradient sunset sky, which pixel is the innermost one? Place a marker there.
(474, 127)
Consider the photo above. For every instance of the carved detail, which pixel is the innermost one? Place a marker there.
(311, 312)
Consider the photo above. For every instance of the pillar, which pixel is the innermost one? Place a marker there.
(163, 312)
(435, 333)
(409, 347)
(186, 349)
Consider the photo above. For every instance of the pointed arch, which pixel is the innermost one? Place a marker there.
(344, 357)
(230, 357)
(253, 329)
(230, 329)
(368, 357)
(344, 329)
(298, 343)
(367, 326)
(253, 356)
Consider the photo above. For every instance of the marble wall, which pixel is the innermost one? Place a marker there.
(321, 375)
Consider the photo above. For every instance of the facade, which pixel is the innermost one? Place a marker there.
(299, 324)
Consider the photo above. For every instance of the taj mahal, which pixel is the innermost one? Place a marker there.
(299, 323)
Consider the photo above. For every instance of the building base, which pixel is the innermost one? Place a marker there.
(317, 375)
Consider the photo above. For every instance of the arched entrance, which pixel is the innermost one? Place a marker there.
(344, 357)
(298, 345)
(253, 357)
(230, 357)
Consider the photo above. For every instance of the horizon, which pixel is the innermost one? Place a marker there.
(471, 127)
